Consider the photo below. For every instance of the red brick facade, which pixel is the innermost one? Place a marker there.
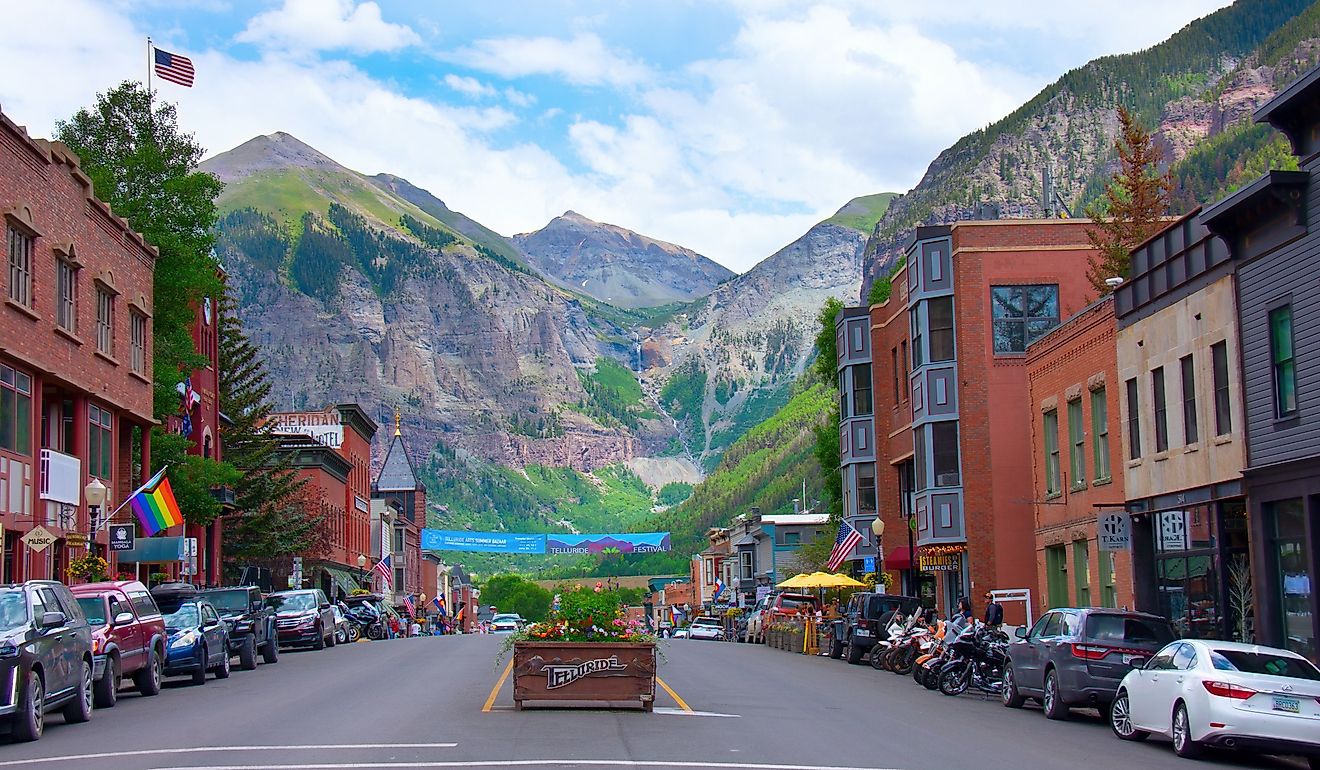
(1073, 372)
(75, 351)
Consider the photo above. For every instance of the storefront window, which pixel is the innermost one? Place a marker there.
(1293, 580)
(1187, 571)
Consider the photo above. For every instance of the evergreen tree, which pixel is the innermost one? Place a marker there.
(1133, 206)
(827, 433)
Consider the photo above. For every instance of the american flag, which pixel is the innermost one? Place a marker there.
(847, 539)
(382, 568)
(174, 68)
(410, 605)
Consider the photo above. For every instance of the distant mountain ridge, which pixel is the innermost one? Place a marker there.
(618, 266)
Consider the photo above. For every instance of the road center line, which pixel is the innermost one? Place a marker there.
(681, 703)
(495, 691)
(192, 749)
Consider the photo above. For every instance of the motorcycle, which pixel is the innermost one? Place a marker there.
(898, 626)
(932, 653)
(902, 655)
(978, 657)
(364, 620)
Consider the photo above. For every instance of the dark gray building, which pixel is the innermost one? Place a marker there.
(1266, 226)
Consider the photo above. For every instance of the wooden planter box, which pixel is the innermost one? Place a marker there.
(584, 673)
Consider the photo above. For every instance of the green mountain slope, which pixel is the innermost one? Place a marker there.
(861, 214)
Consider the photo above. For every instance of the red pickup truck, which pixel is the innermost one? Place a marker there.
(128, 637)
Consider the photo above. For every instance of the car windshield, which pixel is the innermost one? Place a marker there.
(94, 608)
(13, 610)
(506, 618)
(292, 602)
(229, 601)
(1129, 630)
(795, 603)
(705, 622)
(184, 617)
(1263, 663)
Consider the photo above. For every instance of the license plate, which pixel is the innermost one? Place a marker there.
(863, 632)
(1290, 705)
(1130, 660)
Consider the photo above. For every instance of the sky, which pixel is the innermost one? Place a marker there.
(727, 127)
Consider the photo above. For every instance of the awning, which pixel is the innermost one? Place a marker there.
(899, 558)
(153, 549)
(346, 580)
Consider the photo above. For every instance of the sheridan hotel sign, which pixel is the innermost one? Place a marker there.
(323, 427)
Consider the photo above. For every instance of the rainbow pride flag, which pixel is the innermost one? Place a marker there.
(155, 505)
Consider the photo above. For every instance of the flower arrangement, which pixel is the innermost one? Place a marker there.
(91, 568)
(584, 616)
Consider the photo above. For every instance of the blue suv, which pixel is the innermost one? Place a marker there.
(197, 639)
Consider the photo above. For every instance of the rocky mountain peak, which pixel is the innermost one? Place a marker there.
(271, 152)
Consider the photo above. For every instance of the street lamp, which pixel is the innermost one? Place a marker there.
(95, 493)
(362, 570)
(878, 529)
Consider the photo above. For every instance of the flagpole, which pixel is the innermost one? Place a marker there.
(149, 70)
(134, 494)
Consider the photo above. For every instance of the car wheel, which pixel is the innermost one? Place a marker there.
(1052, 704)
(319, 643)
(1120, 719)
(1009, 695)
(333, 638)
(148, 679)
(1183, 745)
(80, 708)
(199, 673)
(30, 719)
(854, 652)
(341, 635)
(222, 670)
(271, 652)
(247, 654)
(107, 687)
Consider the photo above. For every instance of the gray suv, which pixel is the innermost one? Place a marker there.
(45, 655)
(1075, 657)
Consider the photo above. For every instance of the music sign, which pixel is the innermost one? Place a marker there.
(1114, 531)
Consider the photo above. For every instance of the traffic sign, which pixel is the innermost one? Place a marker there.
(123, 537)
(39, 539)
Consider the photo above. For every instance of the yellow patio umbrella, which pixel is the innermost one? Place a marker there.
(843, 581)
(797, 581)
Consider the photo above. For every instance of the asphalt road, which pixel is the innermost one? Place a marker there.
(423, 703)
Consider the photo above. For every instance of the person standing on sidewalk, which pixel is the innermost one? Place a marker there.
(994, 611)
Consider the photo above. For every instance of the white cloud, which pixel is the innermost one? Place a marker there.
(470, 87)
(322, 25)
(583, 60)
(518, 98)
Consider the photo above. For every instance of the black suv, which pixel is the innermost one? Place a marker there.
(251, 624)
(45, 656)
(864, 622)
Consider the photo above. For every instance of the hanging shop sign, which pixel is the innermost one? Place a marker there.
(122, 537)
(941, 558)
(1114, 531)
(39, 539)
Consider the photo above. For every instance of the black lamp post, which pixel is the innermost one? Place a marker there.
(878, 529)
(362, 571)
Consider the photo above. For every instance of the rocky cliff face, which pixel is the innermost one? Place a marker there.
(617, 265)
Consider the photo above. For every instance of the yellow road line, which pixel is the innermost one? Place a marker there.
(495, 691)
(681, 703)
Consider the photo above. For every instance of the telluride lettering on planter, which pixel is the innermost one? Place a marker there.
(559, 675)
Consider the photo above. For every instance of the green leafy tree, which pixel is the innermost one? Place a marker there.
(143, 165)
(192, 477)
(884, 285)
(1133, 207)
(827, 433)
(827, 349)
(514, 593)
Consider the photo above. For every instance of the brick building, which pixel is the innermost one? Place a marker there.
(75, 356)
(1077, 462)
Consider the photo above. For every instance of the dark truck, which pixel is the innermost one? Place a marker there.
(251, 624)
(864, 622)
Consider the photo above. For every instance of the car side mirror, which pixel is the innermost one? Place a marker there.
(1020, 632)
(123, 619)
(1139, 664)
(52, 620)
(325, 605)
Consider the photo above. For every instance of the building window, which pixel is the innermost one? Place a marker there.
(745, 565)
(15, 411)
(1223, 416)
(861, 390)
(1190, 433)
(66, 295)
(138, 333)
(1292, 576)
(843, 393)
(904, 359)
(1281, 355)
(1052, 483)
(105, 322)
(1022, 314)
(893, 360)
(1108, 588)
(100, 448)
(919, 457)
(1161, 409)
(944, 452)
(400, 581)
(20, 267)
(397, 541)
(866, 488)
(792, 538)
(940, 314)
(1133, 420)
(1082, 573)
(1100, 434)
(1076, 447)
(914, 316)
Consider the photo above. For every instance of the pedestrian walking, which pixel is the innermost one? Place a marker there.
(994, 611)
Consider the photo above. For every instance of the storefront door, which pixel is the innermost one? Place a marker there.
(1197, 551)
(1292, 578)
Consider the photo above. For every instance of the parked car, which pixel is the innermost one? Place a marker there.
(128, 637)
(251, 624)
(197, 639)
(706, 628)
(45, 657)
(777, 605)
(864, 621)
(1209, 693)
(342, 626)
(1076, 657)
(682, 633)
(506, 622)
(303, 617)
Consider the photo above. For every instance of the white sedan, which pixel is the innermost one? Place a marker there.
(1238, 696)
(505, 623)
(706, 628)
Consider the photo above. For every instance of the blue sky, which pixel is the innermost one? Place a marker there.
(727, 127)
